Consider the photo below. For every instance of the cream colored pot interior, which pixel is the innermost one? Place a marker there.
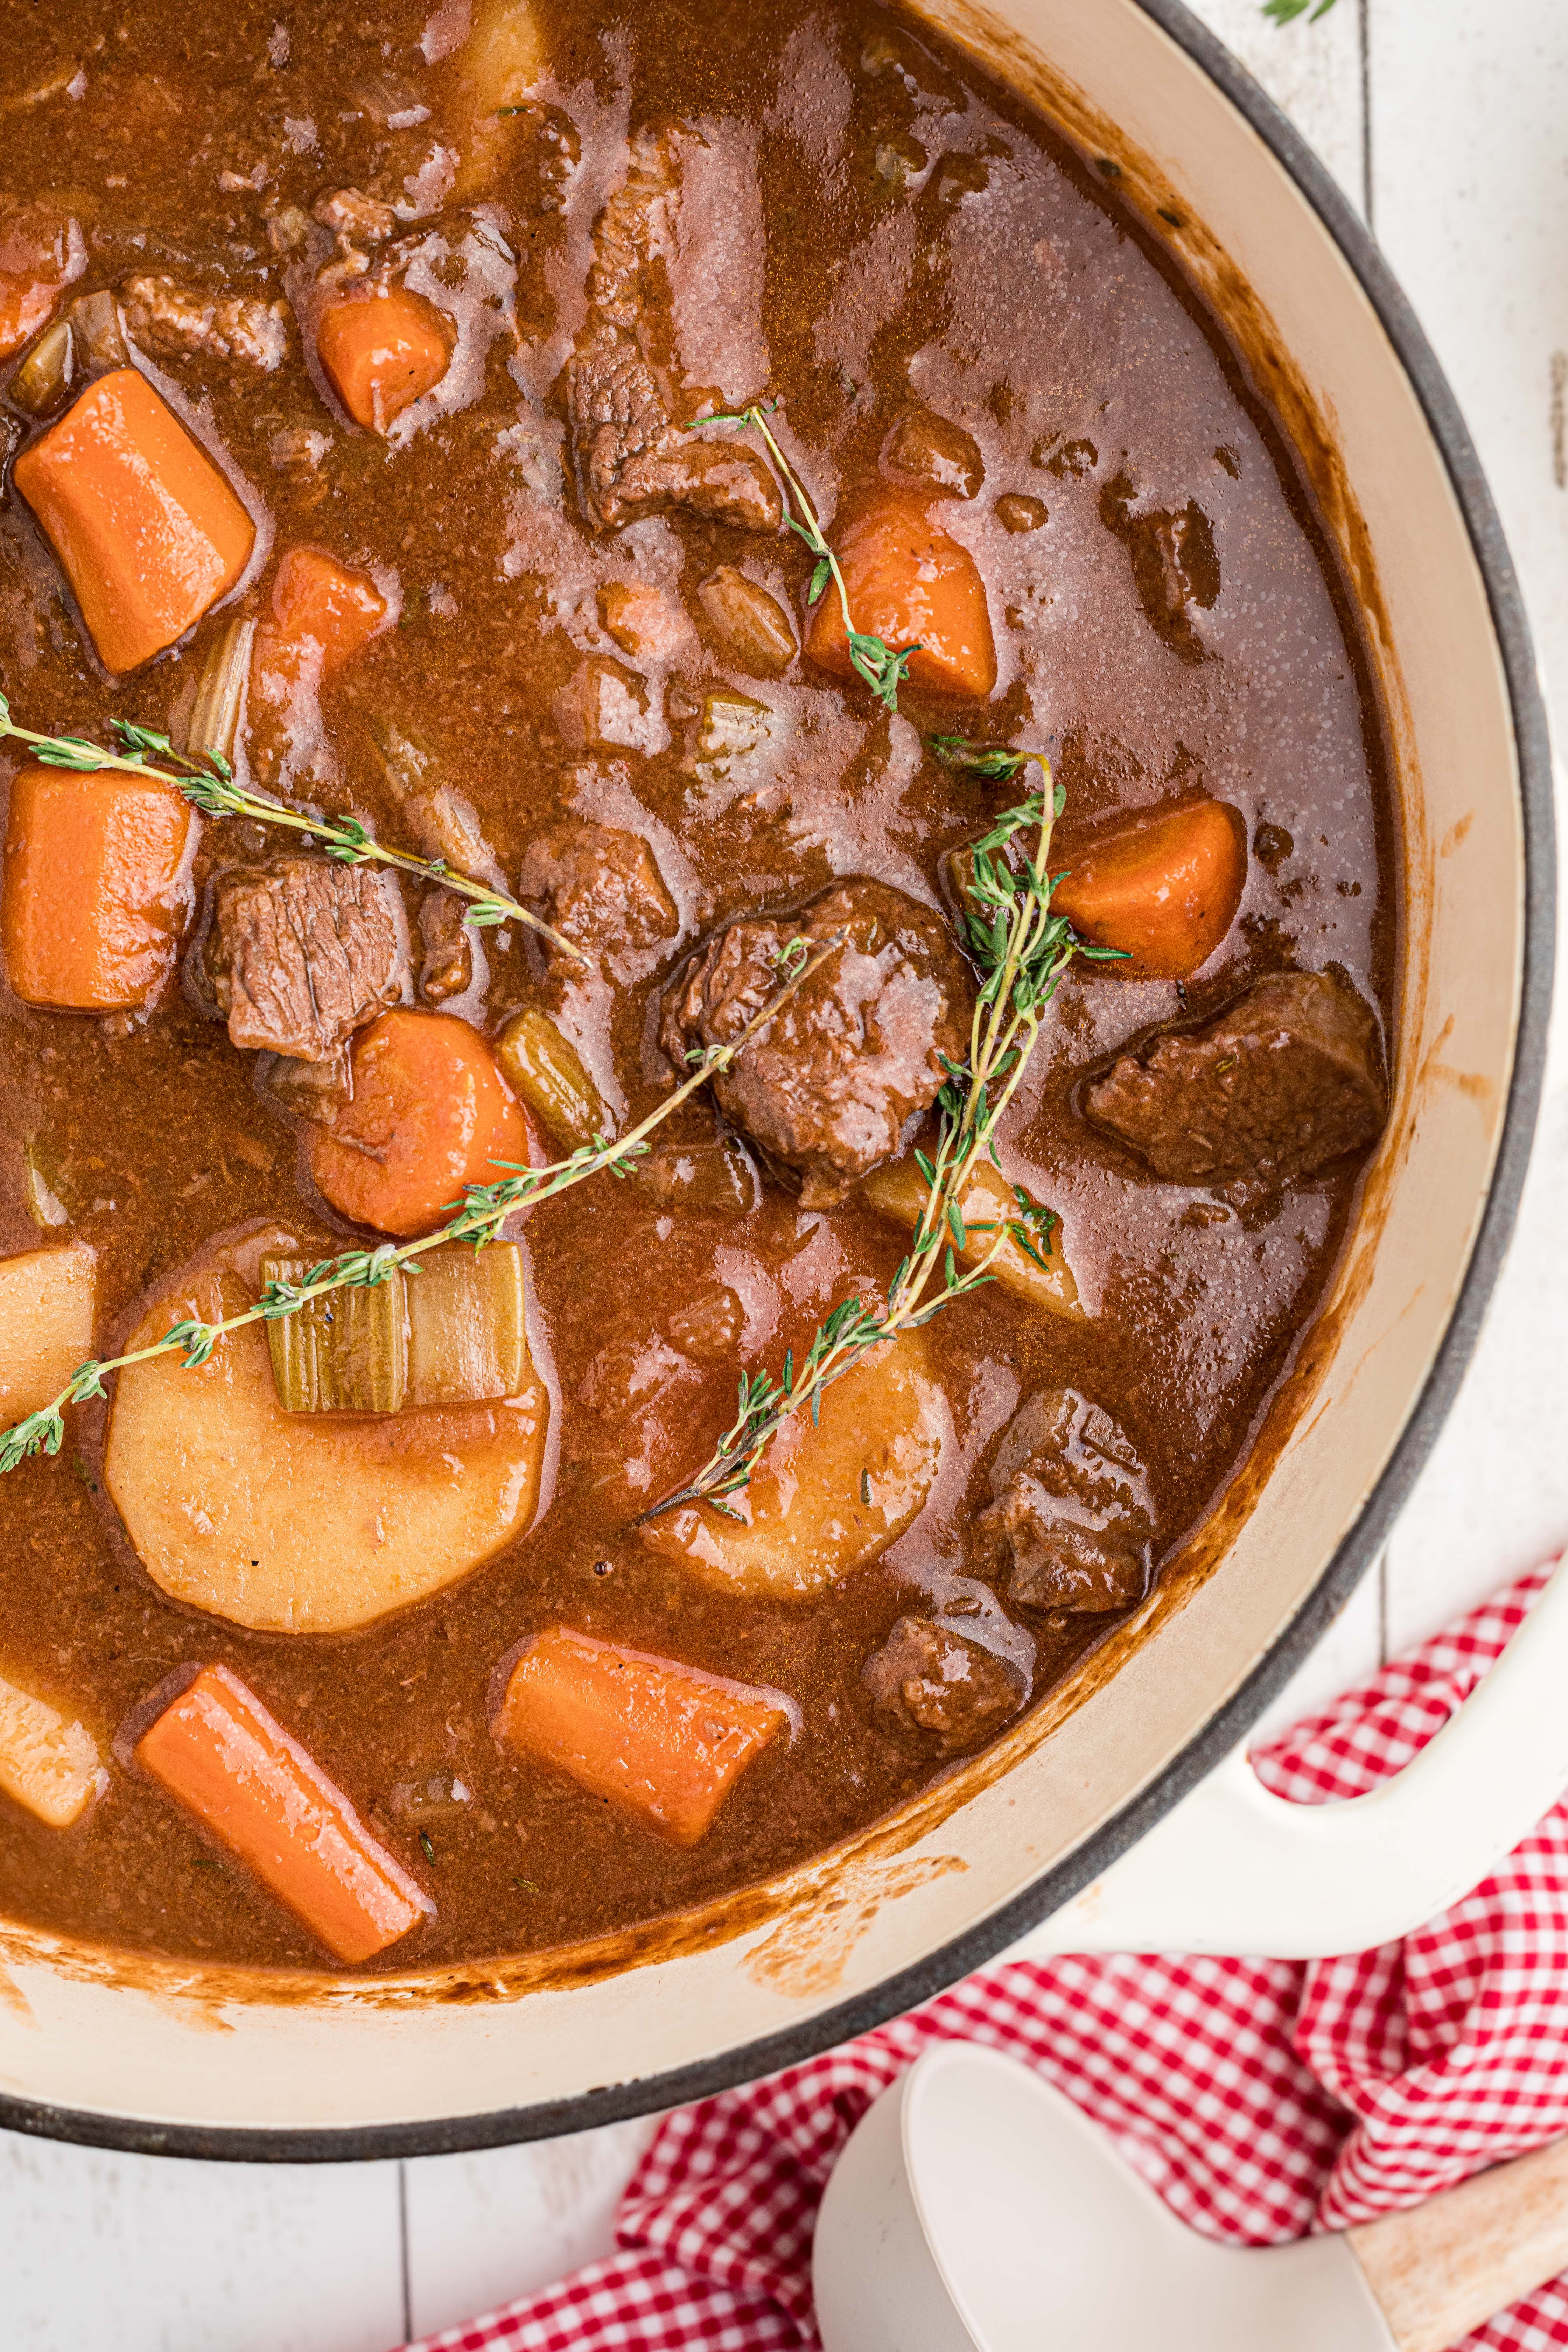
(79, 2034)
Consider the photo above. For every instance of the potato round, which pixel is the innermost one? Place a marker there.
(291, 1523)
(803, 1522)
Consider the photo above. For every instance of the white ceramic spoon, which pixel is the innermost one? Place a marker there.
(975, 2210)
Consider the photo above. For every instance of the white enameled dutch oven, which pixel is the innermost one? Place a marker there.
(221, 2063)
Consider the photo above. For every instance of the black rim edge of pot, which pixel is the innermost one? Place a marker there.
(613, 2102)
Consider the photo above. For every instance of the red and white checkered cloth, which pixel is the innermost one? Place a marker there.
(1263, 2099)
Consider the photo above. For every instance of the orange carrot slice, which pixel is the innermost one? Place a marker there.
(323, 611)
(909, 584)
(661, 1740)
(1164, 889)
(95, 888)
(430, 1114)
(147, 531)
(220, 1754)
(381, 353)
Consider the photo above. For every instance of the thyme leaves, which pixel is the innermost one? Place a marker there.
(478, 1218)
(1020, 950)
(207, 781)
(883, 668)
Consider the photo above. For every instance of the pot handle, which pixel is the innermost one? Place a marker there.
(1235, 1869)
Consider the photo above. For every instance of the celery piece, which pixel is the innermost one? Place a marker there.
(541, 1065)
(466, 1339)
(345, 1353)
(219, 706)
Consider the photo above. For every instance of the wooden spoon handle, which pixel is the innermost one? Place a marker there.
(1446, 2266)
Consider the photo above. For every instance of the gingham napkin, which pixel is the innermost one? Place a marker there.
(1263, 2099)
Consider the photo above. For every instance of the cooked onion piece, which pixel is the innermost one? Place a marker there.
(288, 1523)
(899, 1192)
(825, 1499)
(46, 1299)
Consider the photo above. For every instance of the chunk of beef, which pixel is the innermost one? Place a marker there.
(930, 1679)
(631, 459)
(353, 217)
(856, 1053)
(447, 968)
(1073, 1519)
(1175, 564)
(303, 952)
(168, 318)
(926, 452)
(600, 888)
(1286, 1079)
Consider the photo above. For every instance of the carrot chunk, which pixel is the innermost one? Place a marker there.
(909, 584)
(381, 353)
(95, 888)
(661, 1740)
(323, 611)
(219, 1753)
(147, 531)
(1164, 889)
(430, 1113)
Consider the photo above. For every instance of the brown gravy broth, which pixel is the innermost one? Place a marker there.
(864, 217)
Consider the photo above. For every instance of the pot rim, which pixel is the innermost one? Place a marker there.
(613, 2103)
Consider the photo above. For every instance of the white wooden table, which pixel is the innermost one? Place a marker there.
(1446, 122)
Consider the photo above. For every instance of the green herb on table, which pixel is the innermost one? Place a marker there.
(483, 1211)
(207, 781)
(883, 668)
(1021, 951)
(1285, 12)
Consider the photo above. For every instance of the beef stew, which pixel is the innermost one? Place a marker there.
(403, 337)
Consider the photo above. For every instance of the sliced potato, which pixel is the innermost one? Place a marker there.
(292, 1524)
(47, 1763)
(46, 1299)
(500, 63)
(804, 1522)
(899, 1192)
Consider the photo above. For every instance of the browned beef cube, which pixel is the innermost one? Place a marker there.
(599, 888)
(1287, 1079)
(303, 952)
(931, 1680)
(169, 318)
(926, 452)
(829, 1086)
(447, 968)
(1073, 1516)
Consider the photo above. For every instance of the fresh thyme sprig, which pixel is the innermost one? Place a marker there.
(1285, 12)
(1021, 949)
(997, 763)
(883, 668)
(207, 781)
(483, 1211)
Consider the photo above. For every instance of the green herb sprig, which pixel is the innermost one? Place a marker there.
(1285, 12)
(883, 668)
(207, 781)
(1021, 950)
(479, 1218)
(995, 763)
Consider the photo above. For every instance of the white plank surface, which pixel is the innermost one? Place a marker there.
(141, 2255)
(1469, 191)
